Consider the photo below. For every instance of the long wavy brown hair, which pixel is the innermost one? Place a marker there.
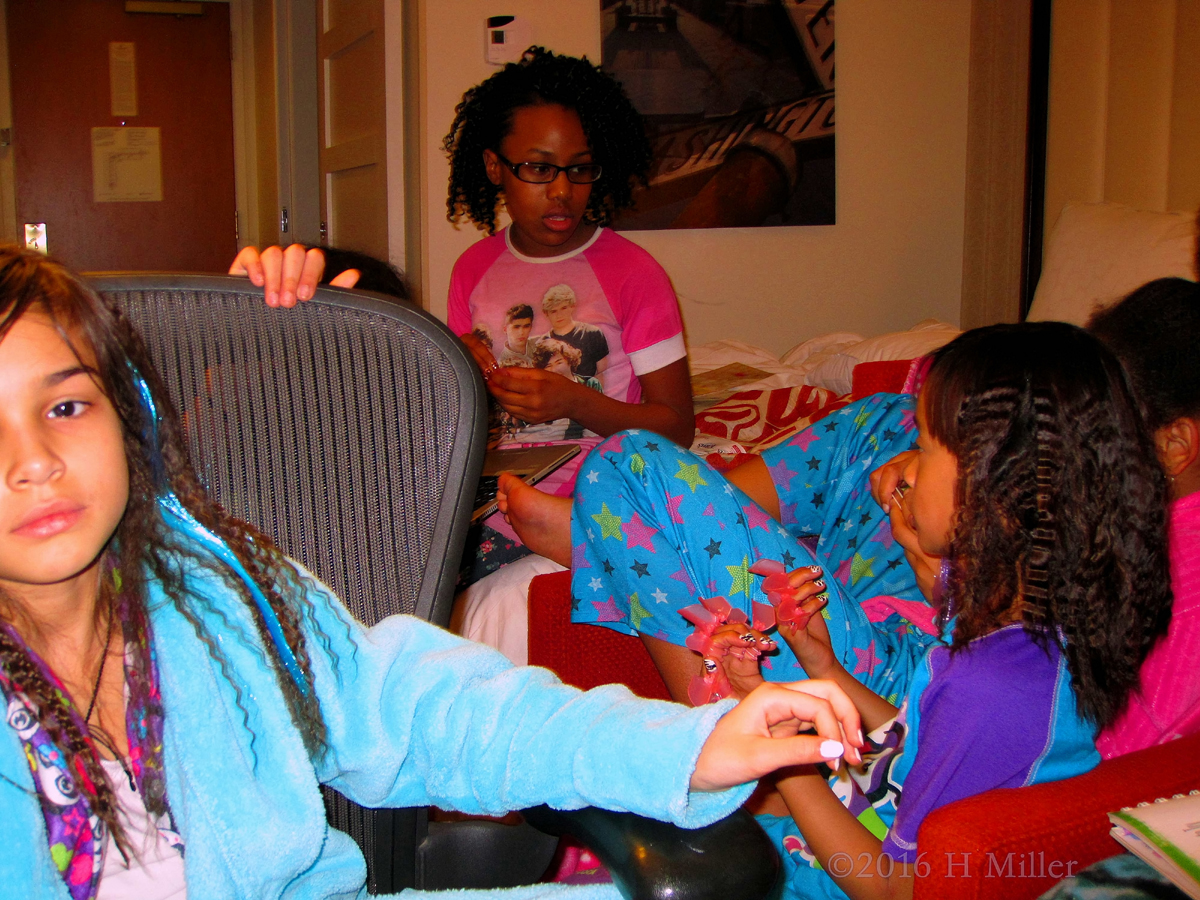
(143, 548)
(1060, 518)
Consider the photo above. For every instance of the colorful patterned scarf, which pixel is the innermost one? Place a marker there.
(76, 835)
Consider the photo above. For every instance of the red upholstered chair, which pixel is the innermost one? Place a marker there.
(886, 375)
(1007, 844)
(585, 655)
(1015, 843)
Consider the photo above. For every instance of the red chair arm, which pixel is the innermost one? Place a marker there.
(1013, 843)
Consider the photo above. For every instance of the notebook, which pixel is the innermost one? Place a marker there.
(530, 464)
(1165, 834)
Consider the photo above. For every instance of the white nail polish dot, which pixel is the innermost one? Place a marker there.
(832, 749)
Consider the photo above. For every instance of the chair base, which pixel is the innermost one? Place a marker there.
(478, 853)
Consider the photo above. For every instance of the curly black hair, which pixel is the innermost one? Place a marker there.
(1155, 331)
(1060, 519)
(483, 118)
(374, 274)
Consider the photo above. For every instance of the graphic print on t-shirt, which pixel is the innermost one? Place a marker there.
(559, 320)
(559, 304)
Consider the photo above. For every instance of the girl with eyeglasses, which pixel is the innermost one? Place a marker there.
(554, 142)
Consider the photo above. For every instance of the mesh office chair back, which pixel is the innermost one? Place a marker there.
(351, 430)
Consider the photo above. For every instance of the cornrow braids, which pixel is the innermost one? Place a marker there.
(483, 118)
(144, 548)
(1060, 518)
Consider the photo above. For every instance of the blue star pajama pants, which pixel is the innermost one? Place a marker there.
(654, 528)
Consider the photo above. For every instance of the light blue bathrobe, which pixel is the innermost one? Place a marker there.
(416, 716)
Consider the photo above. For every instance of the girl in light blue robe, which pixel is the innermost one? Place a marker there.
(149, 642)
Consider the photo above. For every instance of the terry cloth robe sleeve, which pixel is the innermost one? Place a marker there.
(418, 716)
(415, 715)
(972, 727)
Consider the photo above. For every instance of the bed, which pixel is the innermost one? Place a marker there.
(748, 400)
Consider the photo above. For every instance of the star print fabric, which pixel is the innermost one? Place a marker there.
(822, 476)
(654, 528)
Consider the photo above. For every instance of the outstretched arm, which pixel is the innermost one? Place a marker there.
(763, 733)
(845, 848)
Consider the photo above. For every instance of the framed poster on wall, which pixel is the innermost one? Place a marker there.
(738, 98)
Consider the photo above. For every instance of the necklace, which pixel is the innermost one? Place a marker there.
(97, 732)
(100, 672)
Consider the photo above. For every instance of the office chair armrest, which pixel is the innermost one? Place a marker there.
(651, 860)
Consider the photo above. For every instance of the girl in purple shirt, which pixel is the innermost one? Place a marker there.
(1035, 479)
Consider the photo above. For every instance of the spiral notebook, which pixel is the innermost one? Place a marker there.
(1164, 834)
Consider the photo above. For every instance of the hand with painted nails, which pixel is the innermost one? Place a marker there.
(793, 596)
(763, 733)
(719, 626)
(736, 649)
(888, 477)
(481, 353)
(810, 642)
(924, 566)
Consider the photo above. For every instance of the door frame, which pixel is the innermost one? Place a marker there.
(8, 178)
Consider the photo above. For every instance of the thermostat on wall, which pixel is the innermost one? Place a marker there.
(507, 38)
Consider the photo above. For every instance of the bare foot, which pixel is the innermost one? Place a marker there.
(542, 521)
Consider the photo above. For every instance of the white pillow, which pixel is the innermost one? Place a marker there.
(1099, 252)
(836, 372)
(805, 352)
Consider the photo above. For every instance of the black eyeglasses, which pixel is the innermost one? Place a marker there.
(544, 173)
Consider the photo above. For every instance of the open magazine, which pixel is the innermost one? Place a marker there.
(1166, 835)
(530, 464)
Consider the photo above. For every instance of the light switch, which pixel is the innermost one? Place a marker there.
(35, 236)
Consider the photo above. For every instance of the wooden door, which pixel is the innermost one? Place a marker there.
(59, 62)
(353, 125)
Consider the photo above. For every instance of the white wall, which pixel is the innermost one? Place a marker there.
(895, 255)
(1124, 117)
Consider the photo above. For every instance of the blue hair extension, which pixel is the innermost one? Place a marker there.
(177, 516)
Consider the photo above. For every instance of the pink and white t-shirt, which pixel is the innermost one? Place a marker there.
(613, 308)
